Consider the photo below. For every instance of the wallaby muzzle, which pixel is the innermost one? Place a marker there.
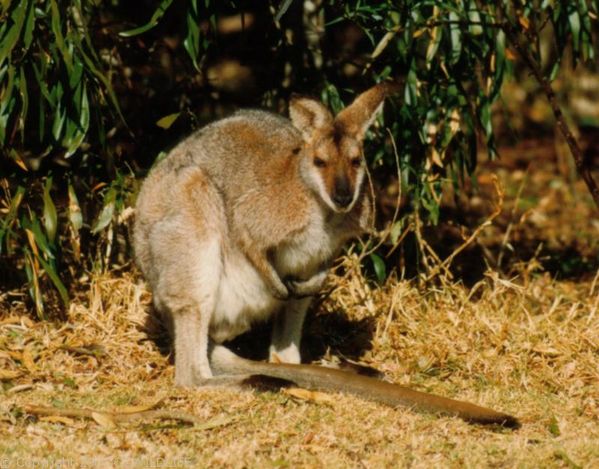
(342, 194)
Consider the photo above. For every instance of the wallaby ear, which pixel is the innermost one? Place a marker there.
(359, 115)
(308, 114)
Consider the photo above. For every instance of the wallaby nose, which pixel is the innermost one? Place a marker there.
(342, 195)
(342, 201)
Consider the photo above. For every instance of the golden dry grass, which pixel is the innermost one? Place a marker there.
(526, 344)
(529, 346)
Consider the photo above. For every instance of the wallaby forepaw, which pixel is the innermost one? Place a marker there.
(304, 288)
(298, 290)
(281, 292)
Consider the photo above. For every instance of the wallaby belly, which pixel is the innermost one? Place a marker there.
(242, 299)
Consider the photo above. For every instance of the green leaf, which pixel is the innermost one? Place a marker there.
(150, 24)
(574, 21)
(59, 37)
(330, 96)
(500, 65)
(485, 117)
(380, 269)
(474, 17)
(60, 113)
(29, 26)
(168, 120)
(162, 155)
(192, 40)
(56, 94)
(456, 37)
(91, 66)
(10, 217)
(396, 231)
(59, 119)
(429, 203)
(83, 32)
(41, 82)
(4, 5)
(411, 90)
(107, 212)
(586, 38)
(51, 271)
(76, 74)
(32, 223)
(34, 289)
(7, 104)
(24, 101)
(78, 126)
(554, 70)
(9, 40)
(50, 217)
(433, 45)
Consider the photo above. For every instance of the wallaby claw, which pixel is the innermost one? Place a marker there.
(304, 288)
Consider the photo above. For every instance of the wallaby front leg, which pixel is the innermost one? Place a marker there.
(287, 331)
(268, 273)
(304, 288)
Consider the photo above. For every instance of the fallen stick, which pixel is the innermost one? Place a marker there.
(115, 417)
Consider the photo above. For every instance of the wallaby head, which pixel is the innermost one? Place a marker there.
(332, 157)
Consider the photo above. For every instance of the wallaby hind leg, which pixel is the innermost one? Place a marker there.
(189, 351)
(287, 331)
(185, 250)
(186, 293)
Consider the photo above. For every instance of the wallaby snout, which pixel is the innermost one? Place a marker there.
(343, 193)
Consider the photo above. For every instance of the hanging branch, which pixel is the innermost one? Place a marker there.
(513, 35)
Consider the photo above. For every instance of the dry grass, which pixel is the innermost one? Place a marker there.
(529, 346)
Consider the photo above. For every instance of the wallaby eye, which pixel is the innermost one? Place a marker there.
(319, 162)
(356, 162)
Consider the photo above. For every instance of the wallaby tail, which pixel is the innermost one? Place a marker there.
(223, 361)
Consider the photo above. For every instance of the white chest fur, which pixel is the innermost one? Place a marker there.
(307, 251)
(243, 297)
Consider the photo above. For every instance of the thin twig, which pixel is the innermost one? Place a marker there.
(387, 231)
(114, 416)
(513, 34)
(437, 259)
(419, 240)
(400, 239)
(508, 230)
(498, 208)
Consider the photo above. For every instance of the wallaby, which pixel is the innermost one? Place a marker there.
(239, 224)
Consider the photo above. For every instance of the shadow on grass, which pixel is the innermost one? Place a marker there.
(323, 332)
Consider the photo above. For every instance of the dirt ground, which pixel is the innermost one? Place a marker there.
(521, 335)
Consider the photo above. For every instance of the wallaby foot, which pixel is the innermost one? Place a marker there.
(287, 332)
